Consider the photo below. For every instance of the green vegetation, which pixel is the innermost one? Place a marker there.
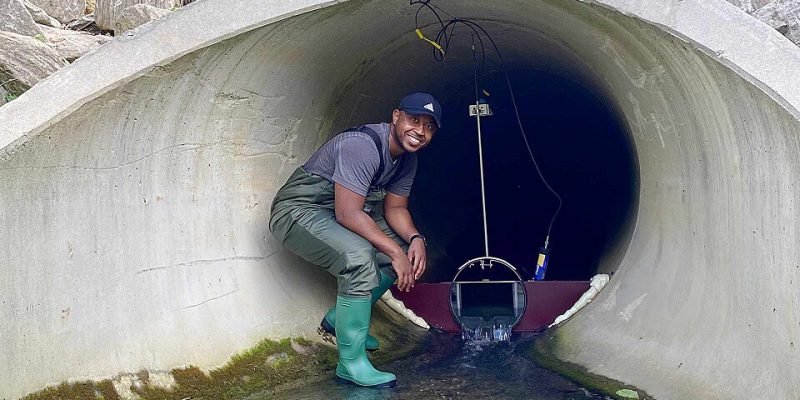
(268, 367)
(79, 390)
(11, 87)
(543, 353)
(264, 367)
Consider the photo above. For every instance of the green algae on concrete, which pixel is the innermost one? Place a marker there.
(269, 367)
(543, 353)
(265, 366)
(103, 390)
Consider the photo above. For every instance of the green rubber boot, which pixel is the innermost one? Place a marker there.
(327, 327)
(352, 323)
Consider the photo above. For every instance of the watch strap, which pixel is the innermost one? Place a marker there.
(418, 235)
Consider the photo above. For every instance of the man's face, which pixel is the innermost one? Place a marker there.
(413, 132)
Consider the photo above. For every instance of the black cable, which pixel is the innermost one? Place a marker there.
(443, 39)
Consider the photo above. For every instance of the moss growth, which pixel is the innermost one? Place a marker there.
(264, 367)
(103, 390)
(543, 353)
(269, 367)
(261, 368)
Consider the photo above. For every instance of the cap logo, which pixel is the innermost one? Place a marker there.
(429, 106)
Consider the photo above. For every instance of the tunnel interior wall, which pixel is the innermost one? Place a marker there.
(136, 229)
(136, 226)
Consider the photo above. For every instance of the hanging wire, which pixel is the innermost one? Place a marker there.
(442, 38)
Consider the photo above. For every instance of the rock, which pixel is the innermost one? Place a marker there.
(104, 15)
(749, 6)
(85, 23)
(136, 15)
(72, 44)
(107, 11)
(25, 61)
(783, 15)
(15, 18)
(40, 16)
(62, 10)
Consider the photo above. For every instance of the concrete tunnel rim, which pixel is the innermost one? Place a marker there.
(30, 114)
(72, 78)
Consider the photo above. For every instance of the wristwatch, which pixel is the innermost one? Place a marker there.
(418, 235)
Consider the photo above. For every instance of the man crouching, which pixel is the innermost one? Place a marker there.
(346, 210)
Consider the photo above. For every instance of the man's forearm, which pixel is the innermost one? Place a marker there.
(361, 224)
(399, 219)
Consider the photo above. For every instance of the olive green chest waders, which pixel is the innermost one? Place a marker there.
(303, 219)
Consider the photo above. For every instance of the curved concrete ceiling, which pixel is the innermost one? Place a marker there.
(136, 185)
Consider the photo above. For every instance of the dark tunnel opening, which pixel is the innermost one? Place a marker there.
(583, 151)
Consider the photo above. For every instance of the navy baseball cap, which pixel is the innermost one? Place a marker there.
(422, 103)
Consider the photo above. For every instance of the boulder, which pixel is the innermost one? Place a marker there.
(107, 11)
(40, 16)
(15, 18)
(85, 23)
(25, 61)
(136, 15)
(783, 15)
(103, 14)
(749, 6)
(72, 44)
(62, 10)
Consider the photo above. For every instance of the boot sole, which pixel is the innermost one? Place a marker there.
(385, 385)
(326, 336)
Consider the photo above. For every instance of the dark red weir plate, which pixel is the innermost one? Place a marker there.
(545, 301)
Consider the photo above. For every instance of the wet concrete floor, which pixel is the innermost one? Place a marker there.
(449, 368)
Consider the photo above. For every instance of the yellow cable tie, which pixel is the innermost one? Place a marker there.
(434, 44)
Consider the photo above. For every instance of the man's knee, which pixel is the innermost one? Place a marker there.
(357, 257)
(360, 274)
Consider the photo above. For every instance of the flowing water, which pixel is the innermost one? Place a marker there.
(452, 367)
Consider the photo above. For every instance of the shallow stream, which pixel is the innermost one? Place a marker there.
(449, 367)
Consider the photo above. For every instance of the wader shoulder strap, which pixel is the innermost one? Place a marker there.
(377, 139)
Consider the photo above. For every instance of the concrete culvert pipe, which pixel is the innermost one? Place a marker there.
(136, 184)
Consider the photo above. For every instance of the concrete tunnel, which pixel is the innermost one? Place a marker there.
(136, 183)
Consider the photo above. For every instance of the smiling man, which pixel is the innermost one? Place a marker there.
(346, 209)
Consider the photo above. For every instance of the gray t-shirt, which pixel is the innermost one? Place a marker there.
(351, 160)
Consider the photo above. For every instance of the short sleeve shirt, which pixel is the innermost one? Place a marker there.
(351, 159)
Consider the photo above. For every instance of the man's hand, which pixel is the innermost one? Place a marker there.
(405, 272)
(418, 257)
